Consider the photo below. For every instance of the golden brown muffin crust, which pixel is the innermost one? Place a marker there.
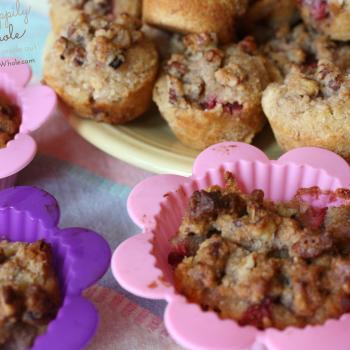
(299, 47)
(311, 108)
(212, 93)
(197, 16)
(131, 7)
(103, 69)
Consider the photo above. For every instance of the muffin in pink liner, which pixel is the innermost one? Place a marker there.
(157, 206)
(36, 104)
(80, 258)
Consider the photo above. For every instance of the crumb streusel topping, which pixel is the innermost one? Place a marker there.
(261, 263)
(99, 40)
(299, 47)
(207, 76)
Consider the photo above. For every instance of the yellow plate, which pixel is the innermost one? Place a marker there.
(148, 143)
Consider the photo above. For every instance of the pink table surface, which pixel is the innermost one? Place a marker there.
(59, 140)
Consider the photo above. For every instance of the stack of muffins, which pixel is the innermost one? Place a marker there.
(229, 65)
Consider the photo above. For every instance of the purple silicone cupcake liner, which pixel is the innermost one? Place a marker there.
(81, 257)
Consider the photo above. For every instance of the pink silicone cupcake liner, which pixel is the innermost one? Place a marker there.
(157, 205)
(36, 102)
(81, 257)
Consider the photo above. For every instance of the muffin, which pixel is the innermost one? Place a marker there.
(330, 17)
(103, 70)
(195, 16)
(311, 108)
(10, 120)
(297, 46)
(265, 17)
(64, 12)
(211, 94)
(261, 263)
(29, 292)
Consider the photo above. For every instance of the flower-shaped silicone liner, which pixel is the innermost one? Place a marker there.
(36, 102)
(140, 263)
(81, 257)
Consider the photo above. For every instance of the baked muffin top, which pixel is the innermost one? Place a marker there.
(210, 77)
(317, 95)
(99, 40)
(10, 120)
(97, 53)
(322, 82)
(29, 292)
(301, 48)
(261, 263)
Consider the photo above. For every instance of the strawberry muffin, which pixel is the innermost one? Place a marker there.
(330, 17)
(311, 108)
(103, 70)
(195, 16)
(260, 263)
(211, 94)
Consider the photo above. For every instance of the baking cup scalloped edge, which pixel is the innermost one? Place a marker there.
(157, 205)
(80, 258)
